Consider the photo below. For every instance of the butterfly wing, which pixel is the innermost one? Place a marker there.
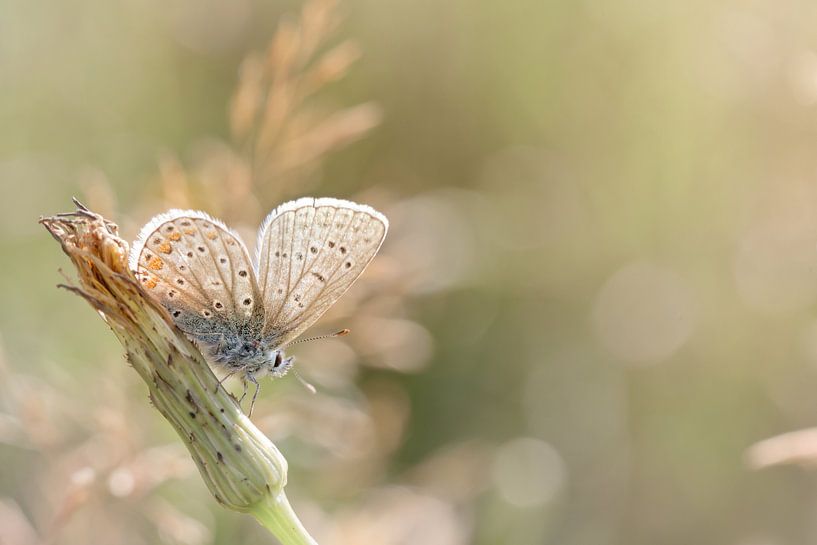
(309, 252)
(201, 272)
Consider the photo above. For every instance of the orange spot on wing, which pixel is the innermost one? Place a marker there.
(165, 248)
(150, 283)
(175, 237)
(190, 231)
(212, 235)
(155, 263)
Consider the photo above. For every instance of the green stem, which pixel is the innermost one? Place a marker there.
(277, 516)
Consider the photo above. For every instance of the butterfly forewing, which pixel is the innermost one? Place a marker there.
(200, 272)
(309, 252)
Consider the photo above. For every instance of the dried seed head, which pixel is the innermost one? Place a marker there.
(240, 466)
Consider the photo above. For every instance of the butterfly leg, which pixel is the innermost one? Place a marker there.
(244, 382)
(228, 375)
(255, 395)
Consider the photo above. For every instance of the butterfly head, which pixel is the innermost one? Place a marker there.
(276, 365)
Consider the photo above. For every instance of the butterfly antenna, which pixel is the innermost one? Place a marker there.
(341, 333)
(301, 379)
(308, 386)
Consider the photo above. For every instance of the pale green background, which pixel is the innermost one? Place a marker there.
(628, 287)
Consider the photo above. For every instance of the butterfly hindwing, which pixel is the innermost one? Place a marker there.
(309, 252)
(200, 271)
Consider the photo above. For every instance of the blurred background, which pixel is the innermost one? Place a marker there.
(593, 320)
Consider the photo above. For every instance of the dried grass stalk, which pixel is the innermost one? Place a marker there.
(244, 471)
(271, 117)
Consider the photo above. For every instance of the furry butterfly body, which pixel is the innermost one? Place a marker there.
(244, 311)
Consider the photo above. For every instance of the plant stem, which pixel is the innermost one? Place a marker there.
(277, 516)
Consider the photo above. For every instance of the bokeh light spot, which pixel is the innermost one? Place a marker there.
(121, 483)
(528, 472)
(644, 313)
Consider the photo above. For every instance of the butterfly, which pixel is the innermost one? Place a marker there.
(243, 312)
